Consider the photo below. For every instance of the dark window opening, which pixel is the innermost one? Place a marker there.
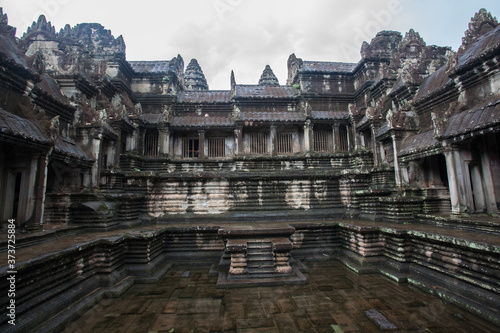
(343, 140)
(151, 143)
(123, 142)
(190, 148)
(104, 161)
(17, 194)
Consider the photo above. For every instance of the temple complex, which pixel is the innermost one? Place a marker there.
(92, 142)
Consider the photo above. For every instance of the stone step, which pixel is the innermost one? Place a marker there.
(260, 265)
(259, 251)
(260, 257)
(263, 270)
(259, 245)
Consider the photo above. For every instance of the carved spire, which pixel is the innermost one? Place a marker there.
(3, 17)
(268, 78)
(233, 82)
(412, 37)
(4, 25)
(41, 26)
(194, 79)
(481, 23)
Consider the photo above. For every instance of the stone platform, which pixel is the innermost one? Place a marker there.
(258, 255)
(60, 276)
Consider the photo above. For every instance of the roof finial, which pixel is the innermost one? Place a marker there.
(481, 23)
(268, 78)
(194, 79)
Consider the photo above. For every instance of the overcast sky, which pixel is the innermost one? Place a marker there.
(245, 36)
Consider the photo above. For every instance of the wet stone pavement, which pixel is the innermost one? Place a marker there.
(334, 300)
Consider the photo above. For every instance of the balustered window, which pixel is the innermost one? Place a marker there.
(216, 147)
(284, 143)
(322, 141)
(258, 143)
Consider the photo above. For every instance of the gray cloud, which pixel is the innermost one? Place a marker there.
(244, 36)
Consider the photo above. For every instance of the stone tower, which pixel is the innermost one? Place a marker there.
(194, 79)
(268, 78)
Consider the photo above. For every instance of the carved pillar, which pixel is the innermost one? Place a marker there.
(397, 172)
(335, 133)
(164, 141)
(374, 146)
(133, 141)
(201, 144)
(273, 140)
(307, 136)
(96, 147)
(487, 181)
(40, 187)
(348, 137)
(112, 155)
(238, 140)
(456, 199)
(405, 178)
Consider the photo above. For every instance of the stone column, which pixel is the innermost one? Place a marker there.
(464, 192)
(488, 183)
(307, 136)
(348, 137)
(273, 140)
(201, 144)
(96, 146)
(40, 187)
(238, 140)
(164, 141)
(374, 146)
(133, 141)
(397, 172)
(452, 181)
(113, 157)
(335, 133)
(405, 179)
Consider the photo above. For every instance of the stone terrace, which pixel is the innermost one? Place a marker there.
(61, 276)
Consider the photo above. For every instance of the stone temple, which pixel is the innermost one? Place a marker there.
(112, 172)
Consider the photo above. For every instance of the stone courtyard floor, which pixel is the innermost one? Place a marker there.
(334, 300)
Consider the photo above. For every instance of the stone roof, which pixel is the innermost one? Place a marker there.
(151, 67)
(418, 143)
(472, 120)
(9, 50)
(210, 96)
(272, 116)
(434, 83)
(257, 91)
(202, 121)
(13, 125)
(268, 78)
(69, 148)
(383, 129)
(329, 115)
(51, 88)
(484, 47)
(327, 67)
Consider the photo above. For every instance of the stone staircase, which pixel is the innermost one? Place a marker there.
(257, 255)
(260, 257)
